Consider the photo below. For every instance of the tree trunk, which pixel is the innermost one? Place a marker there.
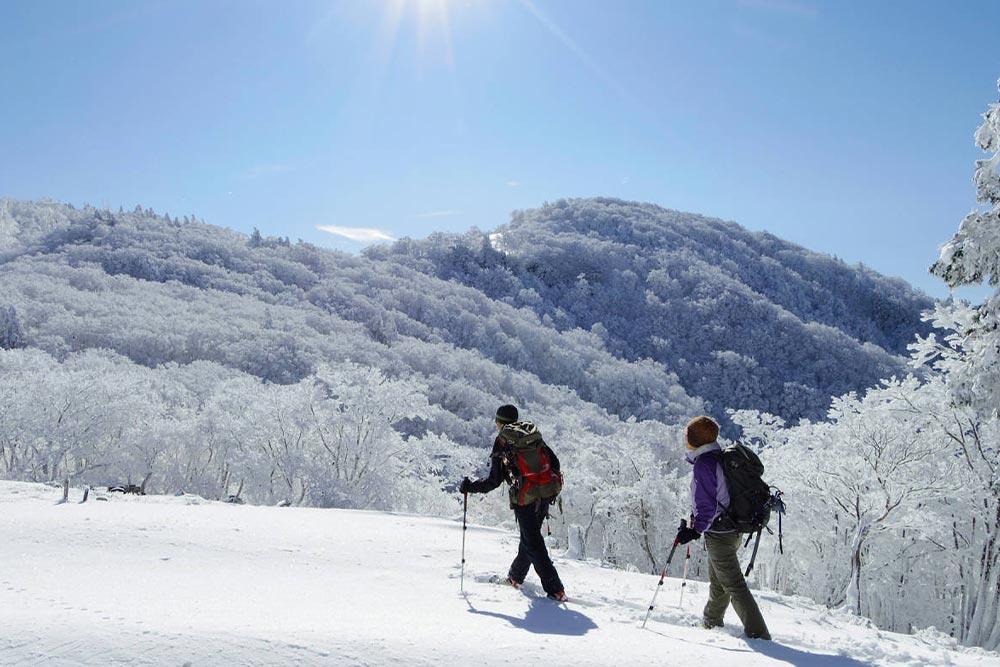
(145, 480)
(856, 576)
(984, 611)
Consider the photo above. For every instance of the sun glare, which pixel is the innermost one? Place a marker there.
(432, 27)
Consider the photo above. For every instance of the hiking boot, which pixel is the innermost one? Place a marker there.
(708, 624)
(763, 635)
(558, 597)
(505, 581)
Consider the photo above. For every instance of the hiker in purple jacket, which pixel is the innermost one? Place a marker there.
(709, 498)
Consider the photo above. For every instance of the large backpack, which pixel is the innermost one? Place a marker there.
(749, 495)
(751, 499)
(533, 478)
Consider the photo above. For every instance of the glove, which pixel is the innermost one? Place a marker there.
(464, 486)
(685, 535)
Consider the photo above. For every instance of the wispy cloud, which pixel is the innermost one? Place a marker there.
(513, 184)
(363, 234)
(798, 8)
(439, 214)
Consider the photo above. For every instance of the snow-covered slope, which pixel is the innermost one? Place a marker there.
(183, 581)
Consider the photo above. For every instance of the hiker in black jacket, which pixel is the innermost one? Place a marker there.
(522, 459)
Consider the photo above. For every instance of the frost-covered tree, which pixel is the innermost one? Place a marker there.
(11, 335)
(892, 509)
(973, 541)
(741, 319)
(867, 472)
(970, 258)
(968, 356)
(878, 473)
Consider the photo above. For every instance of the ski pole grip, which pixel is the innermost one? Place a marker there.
(677, 539)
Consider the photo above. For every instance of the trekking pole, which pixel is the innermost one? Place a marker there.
(663, 575)
(465, 512)
(684, 580)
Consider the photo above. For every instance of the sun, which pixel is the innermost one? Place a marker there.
(415, 31)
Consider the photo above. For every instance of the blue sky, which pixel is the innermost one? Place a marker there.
(843, 126)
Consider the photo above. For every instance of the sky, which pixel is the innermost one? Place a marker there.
(844, 126)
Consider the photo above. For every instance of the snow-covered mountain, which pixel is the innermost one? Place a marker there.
(161, 581)
(641, 311)
(744, 319)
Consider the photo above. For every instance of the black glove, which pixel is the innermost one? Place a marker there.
(685, 535)
(464, 486)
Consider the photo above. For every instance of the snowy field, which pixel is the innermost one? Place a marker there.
(182, 581)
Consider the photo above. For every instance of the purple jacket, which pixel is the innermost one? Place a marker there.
(709, 493)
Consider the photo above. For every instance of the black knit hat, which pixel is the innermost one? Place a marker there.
(507, 414)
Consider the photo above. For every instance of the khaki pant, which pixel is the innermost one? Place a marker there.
(726, 584)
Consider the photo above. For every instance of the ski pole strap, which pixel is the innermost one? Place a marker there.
(781, 546)
(753, 556)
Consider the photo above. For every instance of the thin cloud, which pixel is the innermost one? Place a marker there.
(439, 214)
(362, 234)
(513, 184)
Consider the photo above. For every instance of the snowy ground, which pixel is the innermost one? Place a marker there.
(181, 581)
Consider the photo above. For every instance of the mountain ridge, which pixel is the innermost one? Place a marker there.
(597, 295)
(631, 272)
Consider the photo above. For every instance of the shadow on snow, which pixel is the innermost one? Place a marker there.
(545, 617)
(775, 649)
(800, 658)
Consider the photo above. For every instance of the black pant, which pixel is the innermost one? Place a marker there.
(532, 550)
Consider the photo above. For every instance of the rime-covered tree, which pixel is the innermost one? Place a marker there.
(11, 335)
(972, 257)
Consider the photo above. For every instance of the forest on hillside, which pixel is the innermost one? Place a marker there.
(744, 319)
